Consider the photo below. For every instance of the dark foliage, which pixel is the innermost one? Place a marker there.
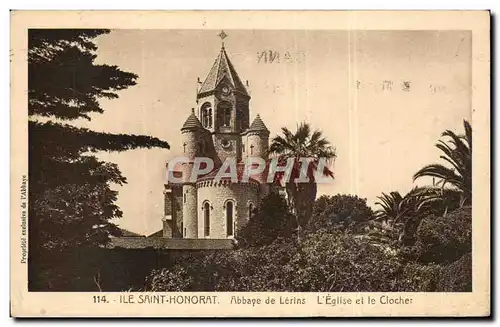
(93, 269)
(353, 254)
(431, 277)
(444, 239)
(346, 211)
(320, 263)
(70, 196)
(308, 145)
(270, 221)
(457, 276)
(63, 80)
(404, 213)
(74, 215)
(417, 277)
(457, 152)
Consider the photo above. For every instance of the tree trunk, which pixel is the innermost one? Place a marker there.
(306, 195)
(291, 192)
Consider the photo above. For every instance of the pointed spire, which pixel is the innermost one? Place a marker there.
(258, 125)
(222, 69)
(192, 122)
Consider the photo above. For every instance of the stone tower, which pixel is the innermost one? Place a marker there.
(219, 128)
(257, 139)
(223, 107)
(192, 131)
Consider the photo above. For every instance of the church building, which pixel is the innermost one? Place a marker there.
(218, 128)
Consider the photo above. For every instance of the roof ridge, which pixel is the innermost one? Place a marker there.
(222, 67)
(192, 122)
(258, 125)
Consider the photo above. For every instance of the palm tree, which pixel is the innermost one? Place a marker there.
(404, 212)
(396, 208)
(390, 207)
(458, 153)
(302, 144)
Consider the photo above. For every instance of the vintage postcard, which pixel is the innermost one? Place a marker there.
(250, 164)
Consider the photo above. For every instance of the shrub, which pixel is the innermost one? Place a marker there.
(417, 277)
(243, 270)
(321, 263)
(444, 239)
(457, 276)
(454, 277)
(331, 212)
(330, 258)
(271, 220)
(344, 263)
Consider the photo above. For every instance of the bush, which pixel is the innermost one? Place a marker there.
(332, 212)
(344, 263)
(457, 276)
(243, 270)
(444, 239)
(330, 258)
(321, 263)
(270, 221)
(417, 277)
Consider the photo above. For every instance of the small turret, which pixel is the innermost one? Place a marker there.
(258, 126)
(257, 139)
(192, 122)
(191, 132)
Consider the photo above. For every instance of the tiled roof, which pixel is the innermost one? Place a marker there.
(192, 122)
(127, 233)
(170, 243)
(222, 69)
(258, 125)
(157, 234)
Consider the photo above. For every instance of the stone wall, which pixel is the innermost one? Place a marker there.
(172, 219)
(256, 145)
(170, 244)
(242, 194)
(190, 219)
(189, 145)
(233, 150)
(178, 218)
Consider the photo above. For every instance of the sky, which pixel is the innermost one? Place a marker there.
(382, 98)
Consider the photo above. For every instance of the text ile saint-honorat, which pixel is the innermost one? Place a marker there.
(333, 300)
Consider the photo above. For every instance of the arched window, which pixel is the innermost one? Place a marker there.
(230, 218)
(250, 210)
(224, 114)
(206, 115)
(227, 117)
(206, 216)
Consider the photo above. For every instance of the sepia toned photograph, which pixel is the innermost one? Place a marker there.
(251, 166)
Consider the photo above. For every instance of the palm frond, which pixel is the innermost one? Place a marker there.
(457, 152)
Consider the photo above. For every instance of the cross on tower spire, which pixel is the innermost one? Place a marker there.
(222, 36)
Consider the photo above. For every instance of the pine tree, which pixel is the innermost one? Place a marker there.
(71, 201)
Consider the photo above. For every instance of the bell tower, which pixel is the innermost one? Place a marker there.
(223, 106)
